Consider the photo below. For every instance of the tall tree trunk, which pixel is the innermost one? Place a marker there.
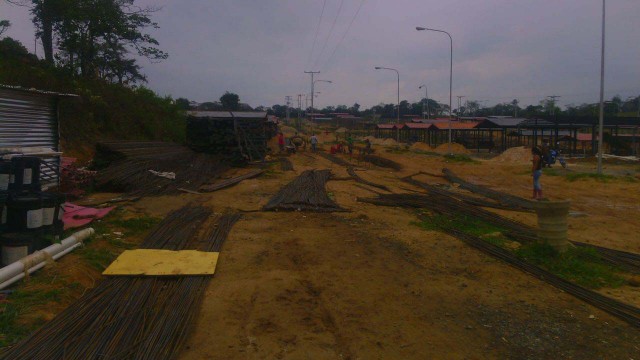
(47, 30)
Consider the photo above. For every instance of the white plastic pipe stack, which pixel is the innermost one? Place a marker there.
(16, 271)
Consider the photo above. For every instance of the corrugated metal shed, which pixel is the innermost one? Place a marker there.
(29, 124)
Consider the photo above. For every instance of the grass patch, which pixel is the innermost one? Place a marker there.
(550, 172)
(582, 266)
(19, 303)
(460, 158)
(97, 258)
(463, 223)
(137, 225)
(594, 176)
(428, 153)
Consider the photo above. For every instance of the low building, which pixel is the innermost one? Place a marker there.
(29, 125)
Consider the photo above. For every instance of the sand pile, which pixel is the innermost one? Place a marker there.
(389, 142)
(341, 130)
(421, 147)
(521, 154)
(455, 148)
(288, 130)
(373, 140)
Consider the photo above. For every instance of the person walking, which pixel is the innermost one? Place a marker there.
(314, 142)
(281, 141)
(536, 171)
(350, 144)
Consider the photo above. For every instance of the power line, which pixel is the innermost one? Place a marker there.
(315, 38)
(344, 35)
(326, 40)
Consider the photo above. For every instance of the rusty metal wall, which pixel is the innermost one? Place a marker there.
(29, 120)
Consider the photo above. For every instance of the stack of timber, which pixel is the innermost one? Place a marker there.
(152, 168)
(305, 193)
(134, 317)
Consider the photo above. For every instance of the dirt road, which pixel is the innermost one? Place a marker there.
(369, 284)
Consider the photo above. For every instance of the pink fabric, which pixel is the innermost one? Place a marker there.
(77, 216)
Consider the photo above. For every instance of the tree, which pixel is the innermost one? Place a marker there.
(473, 107)
(182, 103)
(4, 25)
(230, 101)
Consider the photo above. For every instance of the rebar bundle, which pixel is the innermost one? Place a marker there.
(626, 312)
(507, 200)
(382, 162)
(334, 159)
(152, 168)
(357, 178)
(305, 193)
(134, 317)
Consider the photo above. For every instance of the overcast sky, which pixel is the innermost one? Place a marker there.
(503, 49)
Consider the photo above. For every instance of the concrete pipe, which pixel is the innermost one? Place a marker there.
(552, 223)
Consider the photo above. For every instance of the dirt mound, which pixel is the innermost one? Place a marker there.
(521, 154)
(341, 130)
(389, 142)
(455, 148)
(288, 130)
(421, 147)
(373, 140)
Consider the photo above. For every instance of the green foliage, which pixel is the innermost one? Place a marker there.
(103, 111)
(582, 266)
(135, 226)
(230, 101)
(4, 25)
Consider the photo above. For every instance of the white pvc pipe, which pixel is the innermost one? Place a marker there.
(17, 270)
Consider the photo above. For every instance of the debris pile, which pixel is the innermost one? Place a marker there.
(520, 154)
(455, 148)
(154, 168)
(305, 193)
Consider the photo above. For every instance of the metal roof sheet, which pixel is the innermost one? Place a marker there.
(455, 125)
(386, 126)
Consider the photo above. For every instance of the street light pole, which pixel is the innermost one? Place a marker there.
(426, 95)
(312, 82)
(313, 87)
(398, 118)
(601, 117)
(450, 75)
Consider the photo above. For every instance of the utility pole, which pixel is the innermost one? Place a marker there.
(299, 107)
(426, 95)
(288, 98)
(312, 90)
(601, 116)
(553, 104)
(459, 104)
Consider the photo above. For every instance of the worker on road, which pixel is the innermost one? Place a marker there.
(367, 146)
(536, 171)
(350, 144)
(281, 141)
(314, 142)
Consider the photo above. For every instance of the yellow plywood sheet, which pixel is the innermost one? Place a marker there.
(152, 262)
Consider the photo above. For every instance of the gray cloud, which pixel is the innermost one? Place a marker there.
(503, 49)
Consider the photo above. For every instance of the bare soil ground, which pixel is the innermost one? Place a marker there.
(370, 284)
